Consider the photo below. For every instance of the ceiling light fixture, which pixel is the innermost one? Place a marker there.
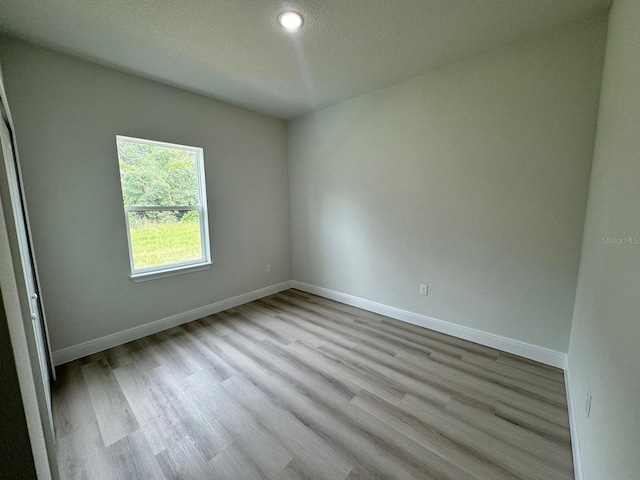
(290, 21)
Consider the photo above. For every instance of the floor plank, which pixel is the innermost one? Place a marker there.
(110, 406)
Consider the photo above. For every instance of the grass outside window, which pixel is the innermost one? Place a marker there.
(155, 243)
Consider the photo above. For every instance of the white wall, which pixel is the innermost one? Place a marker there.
(604, 352)
(67, 113)
(472, 179)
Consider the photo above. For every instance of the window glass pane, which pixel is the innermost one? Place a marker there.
(161, 238)
(153, 175)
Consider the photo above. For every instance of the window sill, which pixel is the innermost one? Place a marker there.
(169, 272)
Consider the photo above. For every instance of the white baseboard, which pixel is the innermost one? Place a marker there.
(573, 425)
(93, 346)
(527, 350)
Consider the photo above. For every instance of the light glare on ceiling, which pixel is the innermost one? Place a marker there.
(290, 21)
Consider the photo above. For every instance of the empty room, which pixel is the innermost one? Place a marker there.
(320, 240)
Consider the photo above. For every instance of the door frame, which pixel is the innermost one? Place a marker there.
(18, 309)
(5, 113)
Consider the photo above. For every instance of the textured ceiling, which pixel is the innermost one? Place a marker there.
(233, 50)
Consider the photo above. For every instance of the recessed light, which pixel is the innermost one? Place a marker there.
(290, 21)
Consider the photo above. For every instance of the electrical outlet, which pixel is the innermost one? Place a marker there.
(268, 268)
(424, 290)
(588, 403)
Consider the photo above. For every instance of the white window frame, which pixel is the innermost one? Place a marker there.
(169, 269)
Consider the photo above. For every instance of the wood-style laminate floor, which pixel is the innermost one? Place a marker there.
(295, 386)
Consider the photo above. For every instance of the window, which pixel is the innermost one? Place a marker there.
(165, 206)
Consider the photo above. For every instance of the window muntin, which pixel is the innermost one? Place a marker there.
(164, 198)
